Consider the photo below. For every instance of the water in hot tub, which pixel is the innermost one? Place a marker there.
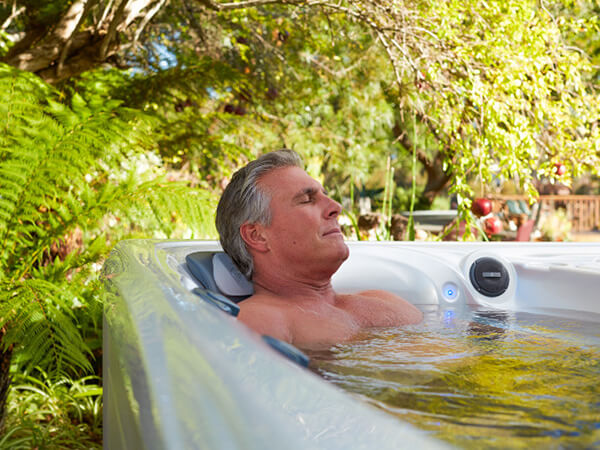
(480, 378)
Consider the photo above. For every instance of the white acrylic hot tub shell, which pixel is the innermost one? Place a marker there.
(544, 276)
(179, 374)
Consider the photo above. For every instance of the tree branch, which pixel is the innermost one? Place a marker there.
(29, 39)
(13, 15)
(216, 6)
(133, 11)
(112, 29)
(107, 9)
(147, 18)
(77, 11)
(53, 45)
(84, 51)
(69, 22)
(255, 3)
(402, 137)
(437, 179)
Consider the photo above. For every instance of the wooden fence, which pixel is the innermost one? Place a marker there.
(582, 210)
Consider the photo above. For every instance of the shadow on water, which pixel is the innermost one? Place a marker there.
(480, 378)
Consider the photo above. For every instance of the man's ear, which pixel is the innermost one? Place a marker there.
(254, 237)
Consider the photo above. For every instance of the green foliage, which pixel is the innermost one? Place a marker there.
(313, 84)
(53, 414)
(498, 90)
(69, 172)
(522, 105)
(4, 43)
(501, 89)
(189, 127)
(580, 26)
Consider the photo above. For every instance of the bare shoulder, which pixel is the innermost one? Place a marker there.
(382, 295)
(265, 318)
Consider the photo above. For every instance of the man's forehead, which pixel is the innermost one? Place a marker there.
(291, 180)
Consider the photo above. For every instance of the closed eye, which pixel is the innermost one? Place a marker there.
(306, 196)
(307, 199)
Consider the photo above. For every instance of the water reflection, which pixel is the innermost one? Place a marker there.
(488, 325)
(480, 378)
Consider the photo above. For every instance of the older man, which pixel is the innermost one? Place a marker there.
(281, 229)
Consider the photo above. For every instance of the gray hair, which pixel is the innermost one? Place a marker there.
(244, 202)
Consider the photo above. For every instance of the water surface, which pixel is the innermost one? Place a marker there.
(480, 378)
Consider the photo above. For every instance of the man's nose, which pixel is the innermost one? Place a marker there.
(333, 208)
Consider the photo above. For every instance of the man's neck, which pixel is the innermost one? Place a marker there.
(295, 289)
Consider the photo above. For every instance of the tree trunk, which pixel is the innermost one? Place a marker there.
(437, 179)
(65, 50)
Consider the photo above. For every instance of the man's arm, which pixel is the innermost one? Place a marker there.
(265, 319)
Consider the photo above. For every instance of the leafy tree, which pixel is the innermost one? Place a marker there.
(497, 100)
(492, 89)
(464, 85)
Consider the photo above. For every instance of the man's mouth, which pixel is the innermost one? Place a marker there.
(333, 231)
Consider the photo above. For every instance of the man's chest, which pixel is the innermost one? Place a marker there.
(342, 322)
(332, 325)
(369, 311)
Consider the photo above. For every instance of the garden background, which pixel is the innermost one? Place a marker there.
(126, 118)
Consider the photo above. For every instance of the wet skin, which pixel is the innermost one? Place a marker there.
(294, 259)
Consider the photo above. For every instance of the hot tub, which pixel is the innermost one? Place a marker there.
(182, 373)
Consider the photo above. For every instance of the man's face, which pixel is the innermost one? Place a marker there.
(304, 230)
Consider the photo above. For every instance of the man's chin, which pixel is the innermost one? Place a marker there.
(339, 251)
(344, 251)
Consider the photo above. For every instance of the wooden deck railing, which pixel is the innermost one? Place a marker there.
(582, 210)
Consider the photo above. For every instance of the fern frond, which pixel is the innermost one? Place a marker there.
(171, 206)
(47, 149)
(36, 312)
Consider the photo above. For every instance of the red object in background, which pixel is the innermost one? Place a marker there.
(560, 168)
(481, 207)
(492, 225)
